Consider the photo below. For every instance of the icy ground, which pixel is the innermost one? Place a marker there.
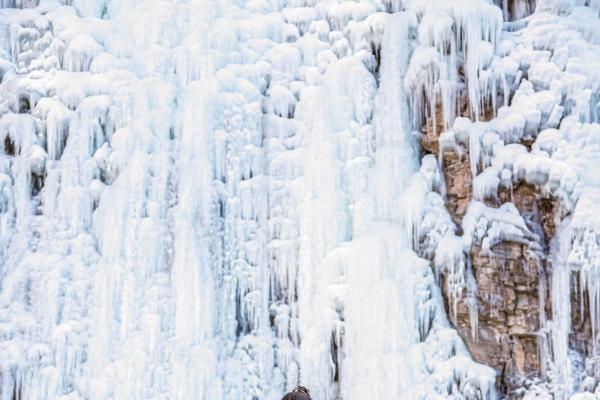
(219, 199)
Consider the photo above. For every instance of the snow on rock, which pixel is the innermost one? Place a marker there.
(543, 133)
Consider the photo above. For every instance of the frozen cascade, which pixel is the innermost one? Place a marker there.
(561, 308)
(207, 206)
(221, 199)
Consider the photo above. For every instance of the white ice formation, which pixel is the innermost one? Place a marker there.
(206, 199)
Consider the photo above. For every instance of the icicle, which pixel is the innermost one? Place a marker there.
(473, 303)
(584, 257)
(80, 53)
(561, 307)
(451, 259)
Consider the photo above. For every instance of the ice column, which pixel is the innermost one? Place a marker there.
(380, 309)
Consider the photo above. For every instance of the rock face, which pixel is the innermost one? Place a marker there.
(459, 185)
(517, 9)
(508, 286)
(513, 285)
(509, 311)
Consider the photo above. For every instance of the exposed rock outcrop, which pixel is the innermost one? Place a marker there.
(513, 284)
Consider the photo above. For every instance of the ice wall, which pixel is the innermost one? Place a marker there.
(219, 200)
(204, 200)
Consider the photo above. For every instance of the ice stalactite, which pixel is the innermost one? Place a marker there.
(457, 44)
(584, 258)
(376, 261)
(561, 309)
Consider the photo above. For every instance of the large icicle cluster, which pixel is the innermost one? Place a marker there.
(457, 41)
(208, 200)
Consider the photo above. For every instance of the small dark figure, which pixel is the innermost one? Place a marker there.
(299, 393)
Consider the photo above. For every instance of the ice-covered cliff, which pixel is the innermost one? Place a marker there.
(217, 199)
(520, 270)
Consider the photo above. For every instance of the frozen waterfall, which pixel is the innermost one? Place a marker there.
(218, 199)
